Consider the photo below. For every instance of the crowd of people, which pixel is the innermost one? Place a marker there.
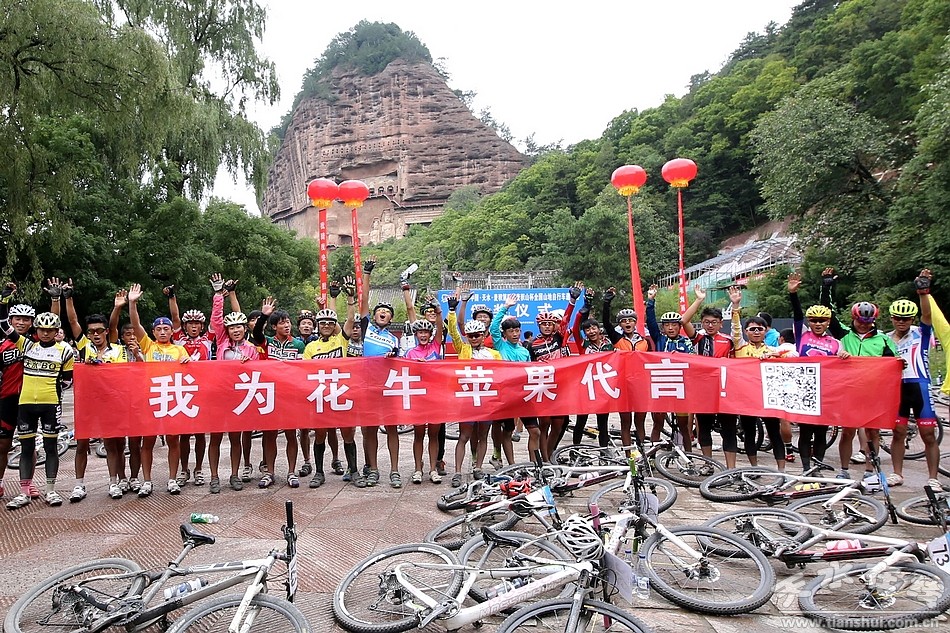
(37, 357)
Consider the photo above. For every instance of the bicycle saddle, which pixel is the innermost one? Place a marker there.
(189, 533)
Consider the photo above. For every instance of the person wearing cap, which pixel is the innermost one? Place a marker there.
(861, 339)
(161, 349)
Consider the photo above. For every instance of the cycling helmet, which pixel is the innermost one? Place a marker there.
(671, 317)
(326, 315)
(547, 317)
(428, 306)
(384, 306)
(481, 307)
(581, 539)
(627, 313)
(47, 321)
(864, 312)
(903, 308)
(23, 310)
(474, 327)
(515, 487)
(421, 324)
(193, 315)
(235, 318)
(819, 312)
(510, 323)
(304, 316)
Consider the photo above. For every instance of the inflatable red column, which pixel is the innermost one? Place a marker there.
(322, 192)
(678, 172)
(628, 180)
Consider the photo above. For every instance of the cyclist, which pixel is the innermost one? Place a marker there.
(47, 370)
(162, 349)
(506, 332)
(470, 347)
(306, 328)
(668, 337)
(94, 350)
(627, 340)
(861, 339)
(377, 341)
(913, 344)
(126, 338)
(815, 341)
(428, 347)
(593, 340)
(712, 342)
(20, 317)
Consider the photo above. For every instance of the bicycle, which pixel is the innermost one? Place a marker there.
(913, 445)
(892, 593)
(64, 441)
(117, 592)
(413, 585)
(931, 509)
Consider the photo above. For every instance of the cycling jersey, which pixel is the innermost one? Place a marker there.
(555, 345)
(162, 352)
(113, 353)
(914, 348)
(430, 351)
(226, 348)
(354, 349)
(807, 342)
(290, 349)
(508, 351)
(11, 369)
(664, 343)
(333, 347)
(717, 346)
(199, 347)
(378, 341)
(464, 349)
(45, 369)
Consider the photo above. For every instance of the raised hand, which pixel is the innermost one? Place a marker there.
(700, 292)
(735, 295)
(54, 287)
(466, 293)
(121, 298)
(9, 289)
(576, 291)
(922, 281)
(369, 264)
(135, 293)
(231, 285)
(349, 285)
(68, 289)
(169, 291)
(335, 289)
(794, 281)
(828, 277)
(268, 306)
(610, 294)
(453, 300)
(589, 296)
(320, 301)
(217, 283)
(511, 300)
(651, 291)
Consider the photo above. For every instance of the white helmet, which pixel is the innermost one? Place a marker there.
(581, 539)
(47, 321)
(23, 310)
(193, 315)
(327, 315)
(235, 318)
(421, 324)
(474, 327)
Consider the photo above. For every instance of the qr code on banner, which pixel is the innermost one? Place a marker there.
(792, 387)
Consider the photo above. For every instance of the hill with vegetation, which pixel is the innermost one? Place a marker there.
(838, 119)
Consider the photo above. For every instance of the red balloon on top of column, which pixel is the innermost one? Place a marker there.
(679, 171)
(353, 193)
(628, 179)
(322, 192)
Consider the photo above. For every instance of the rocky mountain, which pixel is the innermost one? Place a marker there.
(401, 131)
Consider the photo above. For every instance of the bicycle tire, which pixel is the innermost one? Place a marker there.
(740, 484)
(836, 518)
(451, 430)
(454, 533)
(722, 583)
(917, 510)
(552, 615)
(913, 445)
(274, 615)
(498, 556)
(455, 499)
(689, 473)
(613, 498)
(364, 602)
(588, 455)
(36, 602)
(518, 470)
(922, 592)
(401, 429)
(13, 459)
(101, 450)
(732, 522)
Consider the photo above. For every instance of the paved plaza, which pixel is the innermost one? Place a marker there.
(338, 525)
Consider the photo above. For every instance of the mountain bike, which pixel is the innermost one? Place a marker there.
(913, 444)
(933, 508)
(116, 592)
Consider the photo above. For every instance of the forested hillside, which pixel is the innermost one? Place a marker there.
(840, 119)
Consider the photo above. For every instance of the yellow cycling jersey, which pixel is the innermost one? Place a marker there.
(42, 369)
(162, 352)
(114, 353)
(334, 347)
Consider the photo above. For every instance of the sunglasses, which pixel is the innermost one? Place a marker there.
(628, 320)
(475, 335)
(818, 320)
(755, 329)
(96, 331)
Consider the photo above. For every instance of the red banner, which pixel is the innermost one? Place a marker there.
(114, 400)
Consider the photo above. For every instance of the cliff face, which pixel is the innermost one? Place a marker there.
(404, 133)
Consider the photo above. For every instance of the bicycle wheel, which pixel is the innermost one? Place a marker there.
(913, 444)
(614, 498)
(765, 535)
(903, 594)
(454, 533)
(740, 484)
(451, 430)
(101, 450)
(687, 469)
(552, 615)
(731, 576)
(588, 455)
(459, 499)
(918, 510)
(369, 599)
(858, 514)
(477, 553)
(268, 614)
(47, 607)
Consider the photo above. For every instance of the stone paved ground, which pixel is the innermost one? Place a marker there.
(339, 525)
